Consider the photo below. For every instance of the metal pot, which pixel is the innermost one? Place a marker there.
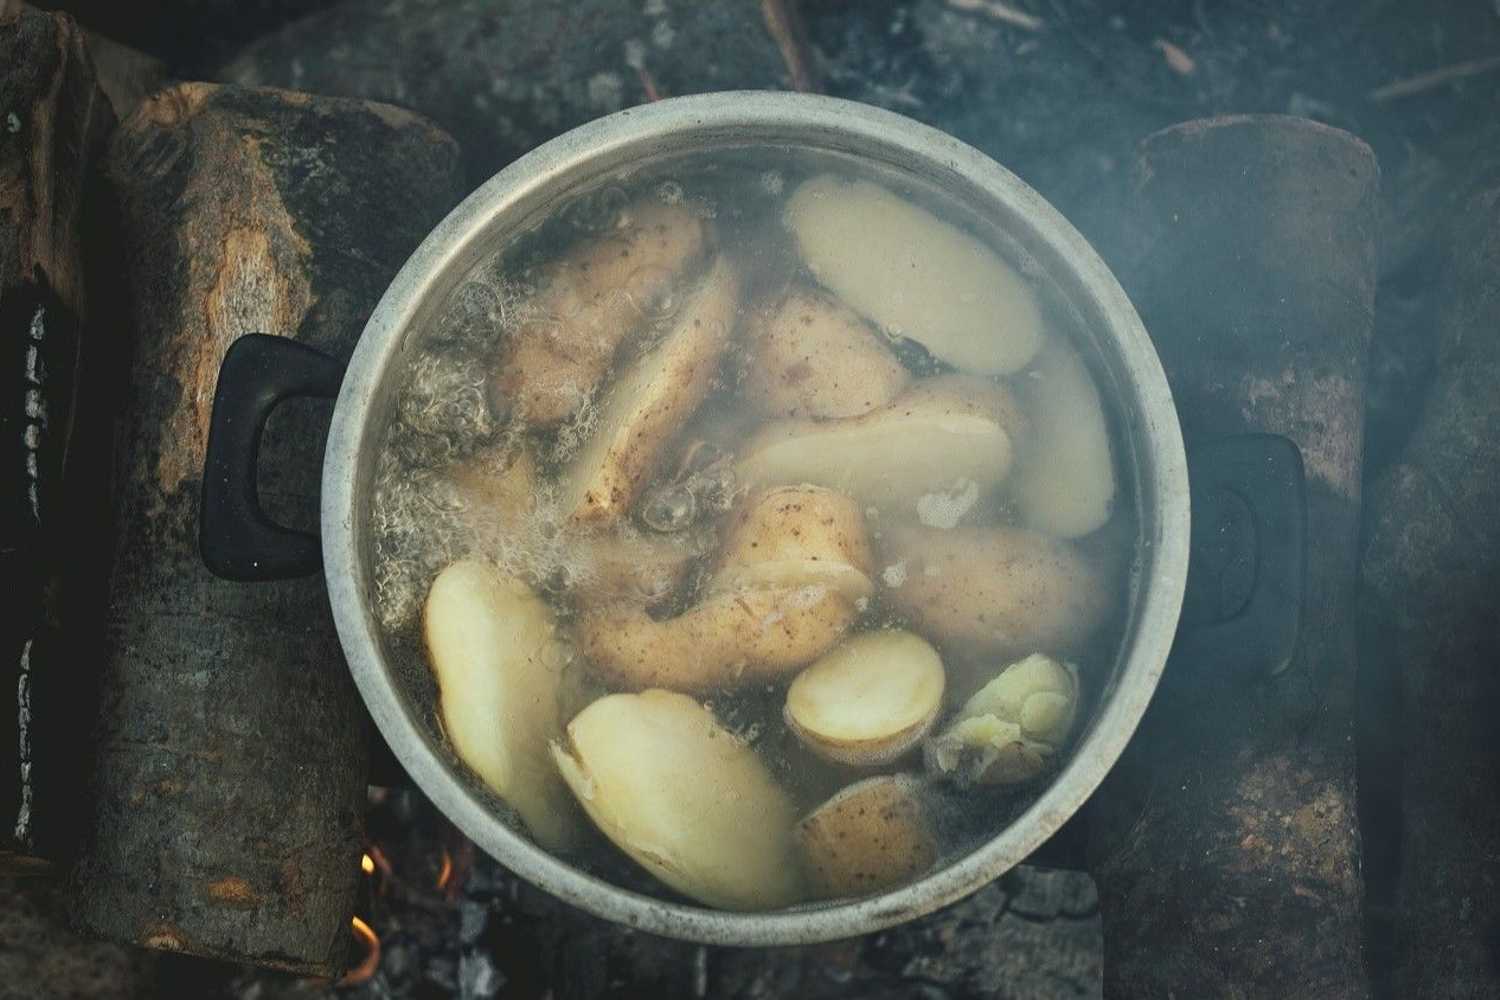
(240, 542)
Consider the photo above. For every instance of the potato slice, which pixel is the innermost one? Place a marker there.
(1012, 729)
(869, 700)
(994, 590)
(785, 590)
(915, 275)
(1064, 483)
(590, 301)
(685, 798)
(649, 403)
(809, 355)
(494, 651)
(872, 836)
(939, 435)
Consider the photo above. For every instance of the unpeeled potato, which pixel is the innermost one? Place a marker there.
(649, 403)
(940, 434)
(759, 618)
(685, 798)
(497, 659)
(1064, 483)
(809, 355)
(871, 836)
(589, 302)
(994, 590)
(869, 700)
(915, 275)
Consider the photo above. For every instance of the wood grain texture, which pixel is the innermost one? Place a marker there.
(231, 776)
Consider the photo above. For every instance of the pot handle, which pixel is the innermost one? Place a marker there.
(235, 537)
(1247, 569)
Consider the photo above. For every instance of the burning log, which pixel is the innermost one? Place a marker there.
(53, 123)
(228, 797)
(1225, 843)
(1429, 576)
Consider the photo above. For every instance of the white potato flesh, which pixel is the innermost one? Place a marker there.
(915, 275)
(939, 436)
(494, 650)
(871, 836)
(650, 402)
(809, 355)
(869, 700)
(685, 798)
(1064, 483)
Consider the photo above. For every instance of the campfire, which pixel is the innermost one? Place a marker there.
(1300, 203)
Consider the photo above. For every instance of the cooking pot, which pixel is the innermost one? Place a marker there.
(1246, 490)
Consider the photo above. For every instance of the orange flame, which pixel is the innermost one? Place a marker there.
(446, 872)
(367, 865)
(365, 969)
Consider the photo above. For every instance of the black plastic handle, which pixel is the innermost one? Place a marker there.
(236, 538)
(1248, 565)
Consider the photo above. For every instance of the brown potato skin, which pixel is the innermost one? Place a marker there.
(808, 355)
(869, 837)
(589, 303)
(797, 522)
(995, 590)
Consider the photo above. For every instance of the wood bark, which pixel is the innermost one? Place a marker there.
(53, 124)
(229, 793)
(1225, 843)
(1429, 578)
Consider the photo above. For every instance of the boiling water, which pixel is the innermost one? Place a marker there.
(466, 473)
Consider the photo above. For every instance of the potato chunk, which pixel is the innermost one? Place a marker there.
(588, 304)
(685, 798)
(998, 591)
(809, 355)
(869, 700)
(915, 275)
(494, 651)
(1064, 483)
(649, 403)
(941, 434)
(873, 835)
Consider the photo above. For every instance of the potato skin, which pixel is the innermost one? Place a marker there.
(995, 590)
(590, 302)
(808, 355)
(794, 525)
(871, 836)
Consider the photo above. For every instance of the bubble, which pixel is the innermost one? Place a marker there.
(669, 192)
(772, 182)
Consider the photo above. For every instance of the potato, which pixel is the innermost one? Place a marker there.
(627, 565)
(784, 591)
(1064, 483)
(869, 700)
(809, 355)
(994, 590)
(589, 303)
(649, 402)
(872, 836)
(941, 434)
(685, 798)
(1012, 729)
(494, 652)
(915, 275)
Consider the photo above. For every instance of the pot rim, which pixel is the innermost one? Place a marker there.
(1157, 436)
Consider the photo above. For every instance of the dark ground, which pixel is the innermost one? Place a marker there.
(1062, 104)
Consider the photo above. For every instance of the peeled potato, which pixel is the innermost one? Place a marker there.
(649, 403)
(494, 651)
(1064, 483)
(869, 700)
(996, 590)
(589, 303)
(809, 355)
(1012, 729)
(939, 434)
(785, 590)
(684, 797)
(915, 275)
(872, 836)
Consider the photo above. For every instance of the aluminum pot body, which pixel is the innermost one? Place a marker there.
(1151, 458)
